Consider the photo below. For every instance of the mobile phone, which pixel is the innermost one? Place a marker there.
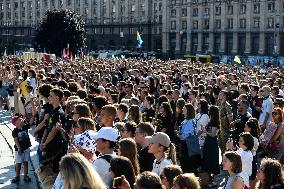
(117, 182)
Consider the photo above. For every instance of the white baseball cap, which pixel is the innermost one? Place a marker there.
(107, 133)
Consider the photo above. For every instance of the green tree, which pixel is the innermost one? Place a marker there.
(59, 28)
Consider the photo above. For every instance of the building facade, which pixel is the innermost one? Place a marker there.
(176, 27)
(243, 27)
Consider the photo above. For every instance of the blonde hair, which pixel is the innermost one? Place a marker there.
(187, 180)
(86, 124)
(77, 172)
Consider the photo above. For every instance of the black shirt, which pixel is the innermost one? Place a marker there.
(23, 137)
(45, 109)
(146, 160)
(240, 125)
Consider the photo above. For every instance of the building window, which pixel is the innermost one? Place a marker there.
(218, 24)
(184, 12)
(68, 2)
(230, 23)
(206, 24)
(270, 23)
(173, 13)
(173, 2)
(256, 8)
(8, 5)
(184, 25)
(195, 12)
(256, 22)
(230, 9)
(16, 5)
(218, 10)
(271, 7)
(131, 30)
(173, 25)
(206, 11)
(195, 24)
(1, 6)
(243, 8)
(242, 23)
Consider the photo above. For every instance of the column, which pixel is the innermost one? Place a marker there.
(178, 38)
(188, 31)
(165, 28)
(261, 50)
(200, 42)
(211, 42)
(223, 43)
(248, 43)
(235, 43)
(178, 29)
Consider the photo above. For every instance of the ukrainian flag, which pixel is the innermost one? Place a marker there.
(139, 40)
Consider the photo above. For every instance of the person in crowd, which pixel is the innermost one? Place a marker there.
(98, 103)
(45, 109)
(188, 162)
(77, 172)
(128, 148)
(226, 117)
(145, 158)
(134, 114)
(106, 139)
(159, 145)
(149, 111)
(267, 107)
(232, 162)
(165, 120)
(187, 180)
(122, 166)
(128, 130)
(22, 147)
(272, 134)
(107, 116)
(202, 120)
(254, 129)
(270, 174)
(255, 102)
(144, 180)
(246, 144)
(168, 174)
(81, 110)
(210, 161)
(122, 110)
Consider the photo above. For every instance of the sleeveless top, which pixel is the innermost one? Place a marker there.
(227, 183)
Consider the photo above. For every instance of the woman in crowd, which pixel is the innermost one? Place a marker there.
(188, 163)
(186, 181)
(164, 151)
(270, 175)
(210, 162)
(168, 174)
(134, 114)
(253, 128)
(149, 111)
(81, 110)
(122, 166)
(165, 120)
(127, 147)
(232, 162)
(78, 172)
(202, 120)
(128, 130)
(33, 81)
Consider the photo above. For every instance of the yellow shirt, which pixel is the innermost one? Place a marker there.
(23, 88)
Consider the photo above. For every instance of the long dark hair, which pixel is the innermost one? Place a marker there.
(252, 123)
(123, 166)
(273, 173)
(214, 116)
(203, 106)
(167, 109)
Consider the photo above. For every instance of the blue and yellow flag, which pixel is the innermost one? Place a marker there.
(139, 40)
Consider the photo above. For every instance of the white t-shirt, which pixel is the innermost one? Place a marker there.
(255, 146)
(201, 119)
(267, 107)
(159, 167)
(103, 169)
(247, 159)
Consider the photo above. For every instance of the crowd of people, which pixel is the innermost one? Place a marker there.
(146, 123)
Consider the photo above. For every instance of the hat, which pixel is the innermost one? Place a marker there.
(107, 133)
(14, 119)
(161, 138)
(86, 140)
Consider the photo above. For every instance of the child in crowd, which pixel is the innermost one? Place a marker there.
(22, 147)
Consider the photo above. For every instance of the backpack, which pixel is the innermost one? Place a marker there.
(192, 142)
(108, 158)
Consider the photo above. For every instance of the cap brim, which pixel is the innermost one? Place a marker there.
(149, 139)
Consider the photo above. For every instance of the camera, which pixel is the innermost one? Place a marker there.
(234, 136)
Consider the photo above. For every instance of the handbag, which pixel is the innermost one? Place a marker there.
(192, 142)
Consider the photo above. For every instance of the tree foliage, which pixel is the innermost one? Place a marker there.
(59, 28)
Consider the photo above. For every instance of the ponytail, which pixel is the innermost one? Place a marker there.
(172, 153)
